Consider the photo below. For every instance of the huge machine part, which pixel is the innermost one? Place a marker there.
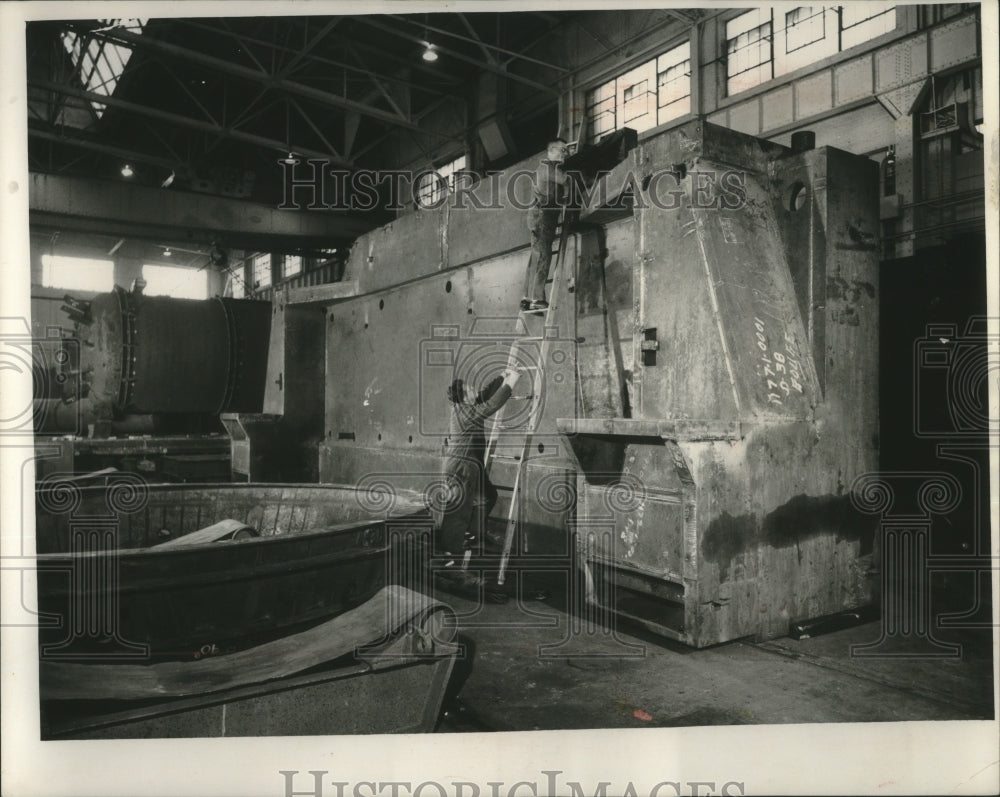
(143, 380)
(133, 355)
(711, 394)
(153, 354)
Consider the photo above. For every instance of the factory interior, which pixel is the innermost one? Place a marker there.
(741, 470)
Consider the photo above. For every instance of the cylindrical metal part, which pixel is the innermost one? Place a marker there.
(180, 356)
(803, 141)
(154, 354)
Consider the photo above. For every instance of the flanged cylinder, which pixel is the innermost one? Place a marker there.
(153, 354)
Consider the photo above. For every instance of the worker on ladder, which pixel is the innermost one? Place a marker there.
(470, 494)
(548, 200)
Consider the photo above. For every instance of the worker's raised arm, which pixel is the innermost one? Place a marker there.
(502, 393)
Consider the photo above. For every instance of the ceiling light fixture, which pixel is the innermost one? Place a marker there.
(167, 252)
(127, 171)
(430, 54)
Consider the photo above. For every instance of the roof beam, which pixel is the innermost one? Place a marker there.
(136, 211)
(257, 76)
(104, 149)
(287, 68)
(372, 22)
(475, 36)
(375, 80)
(186, 121)
(488, 49)
(312, 57)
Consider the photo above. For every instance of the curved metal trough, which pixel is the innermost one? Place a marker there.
(131, 572)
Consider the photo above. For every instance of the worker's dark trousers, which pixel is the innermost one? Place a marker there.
(463, 522)
(542, 223)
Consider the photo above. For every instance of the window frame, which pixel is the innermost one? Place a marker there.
(618, 102)
(261, 264)
(783, 61)
(186, 271)
(54, 262)
(439, 182)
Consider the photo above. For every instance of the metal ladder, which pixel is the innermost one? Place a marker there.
(527, 319)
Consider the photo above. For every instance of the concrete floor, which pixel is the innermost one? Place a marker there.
(520, 673)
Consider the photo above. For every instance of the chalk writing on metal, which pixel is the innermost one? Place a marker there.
(779, 368)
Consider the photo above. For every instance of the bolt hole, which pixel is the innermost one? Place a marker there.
(409, 439)
(380, 437)
(797, 196)
(541, 448)
(331, 318)
(447, 287)
(381, 304)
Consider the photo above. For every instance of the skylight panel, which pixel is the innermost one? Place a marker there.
(100, 63)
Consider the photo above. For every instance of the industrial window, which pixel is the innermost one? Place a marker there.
(808, 34)
(177, 282)
(77, 273)
(291, 265)
(647, 95)
(860, 22)
(261, 268)
(432, 187)
(673, 83)
(601, 110)
(764, 43)
(99, 63)
(748, 50)
(804, 25)
(237, 283)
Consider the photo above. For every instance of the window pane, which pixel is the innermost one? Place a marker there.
(77, 273)
(674, 83)
(432, 187)
(803, 26)
(748, 49)
(100, 63)
(291, 265)
(601, 110)
(860, 22)
(262, 270)
(175, 281)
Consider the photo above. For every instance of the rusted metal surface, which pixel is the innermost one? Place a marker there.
(395, 650)
(770, 451)
(151, 354)
(320, 551)
(728, 343)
